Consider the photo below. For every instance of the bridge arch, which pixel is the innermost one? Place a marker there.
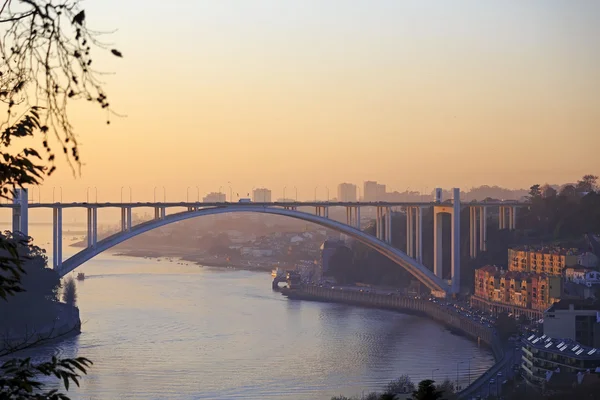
(418, 270)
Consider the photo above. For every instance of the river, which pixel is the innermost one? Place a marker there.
(157, 329)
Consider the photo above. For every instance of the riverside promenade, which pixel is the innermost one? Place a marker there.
(439, 312)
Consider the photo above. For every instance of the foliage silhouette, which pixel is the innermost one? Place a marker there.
(46, 64)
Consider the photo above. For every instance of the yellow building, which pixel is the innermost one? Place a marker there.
(543, 260)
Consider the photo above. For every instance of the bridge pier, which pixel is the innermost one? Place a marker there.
(20, 214)
(388, 225)
(383, 224)
(419, 234)
(409, 232)
(57, 237)
(322, 211)
(483, 229)
(454, 211)
(92, 226)
(504, 213)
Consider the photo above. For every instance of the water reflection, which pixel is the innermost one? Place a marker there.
(161, 330)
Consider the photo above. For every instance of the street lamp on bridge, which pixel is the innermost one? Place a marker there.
(197, 194)
(164, 195)
(432, 371)
(296, 192)
(54, 187)
(316, 193)
(284, 193)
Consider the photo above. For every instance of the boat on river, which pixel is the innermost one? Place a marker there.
(80, 276)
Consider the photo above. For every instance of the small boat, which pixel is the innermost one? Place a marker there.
(80, 276)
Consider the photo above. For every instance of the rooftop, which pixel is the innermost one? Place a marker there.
(565, 347)
(566, 304)
(556, 250)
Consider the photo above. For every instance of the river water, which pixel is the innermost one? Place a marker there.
(157, 329)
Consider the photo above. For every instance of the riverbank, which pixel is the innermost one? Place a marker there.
(455, 322)
(67, 323)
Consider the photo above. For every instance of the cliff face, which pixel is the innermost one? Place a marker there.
(66, 323)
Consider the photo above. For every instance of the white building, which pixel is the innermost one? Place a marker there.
(374, 191)
(261, 195)
(346, 192)
(582, 276)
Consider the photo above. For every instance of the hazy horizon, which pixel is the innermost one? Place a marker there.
(310, 94)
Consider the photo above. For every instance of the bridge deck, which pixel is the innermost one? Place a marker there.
(272, 204)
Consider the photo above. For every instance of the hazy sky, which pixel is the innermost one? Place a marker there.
(312, 93)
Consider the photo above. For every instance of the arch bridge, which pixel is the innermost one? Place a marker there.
(381, 242)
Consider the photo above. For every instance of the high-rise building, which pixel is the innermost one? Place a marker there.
(214, 198)
(346, 192)
(261, 195)
(374, 191)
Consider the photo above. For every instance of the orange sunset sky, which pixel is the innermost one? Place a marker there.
(303, 93)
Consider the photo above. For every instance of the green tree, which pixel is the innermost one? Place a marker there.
(447, 389)
(568, 191)
(46, 64)
(400, 386)
(69, 294)
(587, 183)
(535, 192)
(506, 326)
(427, 391)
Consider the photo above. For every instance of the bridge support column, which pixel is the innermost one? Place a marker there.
(483, 228)
(20, 214)
(57, 238)
(513, 218)
(419, 235)
(438, 266)
(378, 223)
(129, 218)
(473, 231)
(388, 225)
(156, 213)
(454, 211)
(94, 227)
(163, 212)
(501, 218)
(123, 219)
(358, 218)
(89, 226)
(456, 242)
(409, 231)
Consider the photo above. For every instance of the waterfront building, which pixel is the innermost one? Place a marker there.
(544, 356)
(261, 195)
(346, 192)
(577, 320)
(549, 260)
(519, 289)
(214, 198)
